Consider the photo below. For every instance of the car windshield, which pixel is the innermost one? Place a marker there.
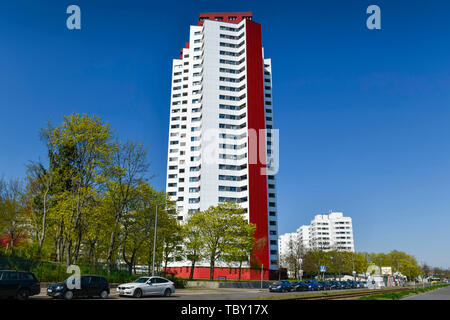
(141, 280)
(277, 283)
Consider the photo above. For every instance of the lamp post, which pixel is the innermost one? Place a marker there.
(154, 239)
(353, 261)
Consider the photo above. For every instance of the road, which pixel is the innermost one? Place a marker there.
(206, 294)
(438, 294)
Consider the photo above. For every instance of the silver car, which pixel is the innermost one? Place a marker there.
(147, 286)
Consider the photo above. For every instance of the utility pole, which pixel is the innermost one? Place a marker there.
(154, 240)
(353, 261)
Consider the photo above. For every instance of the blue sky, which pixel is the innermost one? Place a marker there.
(363, 115)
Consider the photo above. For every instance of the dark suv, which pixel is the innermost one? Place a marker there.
(90, 286)
(18, 284)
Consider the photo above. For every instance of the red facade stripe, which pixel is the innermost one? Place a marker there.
(256, 121)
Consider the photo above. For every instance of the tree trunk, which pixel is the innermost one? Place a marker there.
(191, 275)
(77, 246)
(59, 246)
(44, 223)
(211, 269)
(11, 242)
(68, 250)
(112, 243)
(240, 269)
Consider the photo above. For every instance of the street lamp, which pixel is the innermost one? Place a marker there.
(154, 239)
(353, 260)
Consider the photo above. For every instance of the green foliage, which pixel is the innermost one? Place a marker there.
(340, 263)
(224, 233)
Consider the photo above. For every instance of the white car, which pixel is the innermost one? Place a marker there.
(147, 286)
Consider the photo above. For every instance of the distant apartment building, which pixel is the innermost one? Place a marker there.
(326, 232)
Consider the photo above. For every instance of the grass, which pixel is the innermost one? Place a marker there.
(399, 295)
(321, 294)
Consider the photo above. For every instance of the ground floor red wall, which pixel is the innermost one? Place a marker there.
(227, 273)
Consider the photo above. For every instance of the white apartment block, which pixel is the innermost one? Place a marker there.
(222, 92)
(326, 232)
(331, 232)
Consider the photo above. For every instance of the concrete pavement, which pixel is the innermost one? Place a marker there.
(438, 294)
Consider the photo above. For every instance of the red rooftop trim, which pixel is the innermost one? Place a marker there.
(231, 17)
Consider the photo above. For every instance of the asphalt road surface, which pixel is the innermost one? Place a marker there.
(438, 294)
(205, 294)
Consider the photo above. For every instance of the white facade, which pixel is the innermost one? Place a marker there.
(331, 232)
(326, 232)
(285, 242)
(208, 159)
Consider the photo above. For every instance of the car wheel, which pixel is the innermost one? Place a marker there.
(137, 293)
(104, 294)
(167, 293)
(68, 295)
(23, 294)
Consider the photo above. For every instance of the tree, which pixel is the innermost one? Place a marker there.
(291, 259)
(217, 229)
(40, 182)
(90, 146)
(339, 262)
(127, 171)
(193, 245)
(172, 238)
(242, 245)
(13, 220)
(312, 261)
(426, 270)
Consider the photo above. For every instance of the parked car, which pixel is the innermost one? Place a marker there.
(333, 285)
(281, 286)
(146, 286)
(339, 285)
(300, 286)
(18, 284)
(325, 284)
(90, 286)
(314, 285)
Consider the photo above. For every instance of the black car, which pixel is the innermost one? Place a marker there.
(90, 286)
(18, 284)
(300, 286)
